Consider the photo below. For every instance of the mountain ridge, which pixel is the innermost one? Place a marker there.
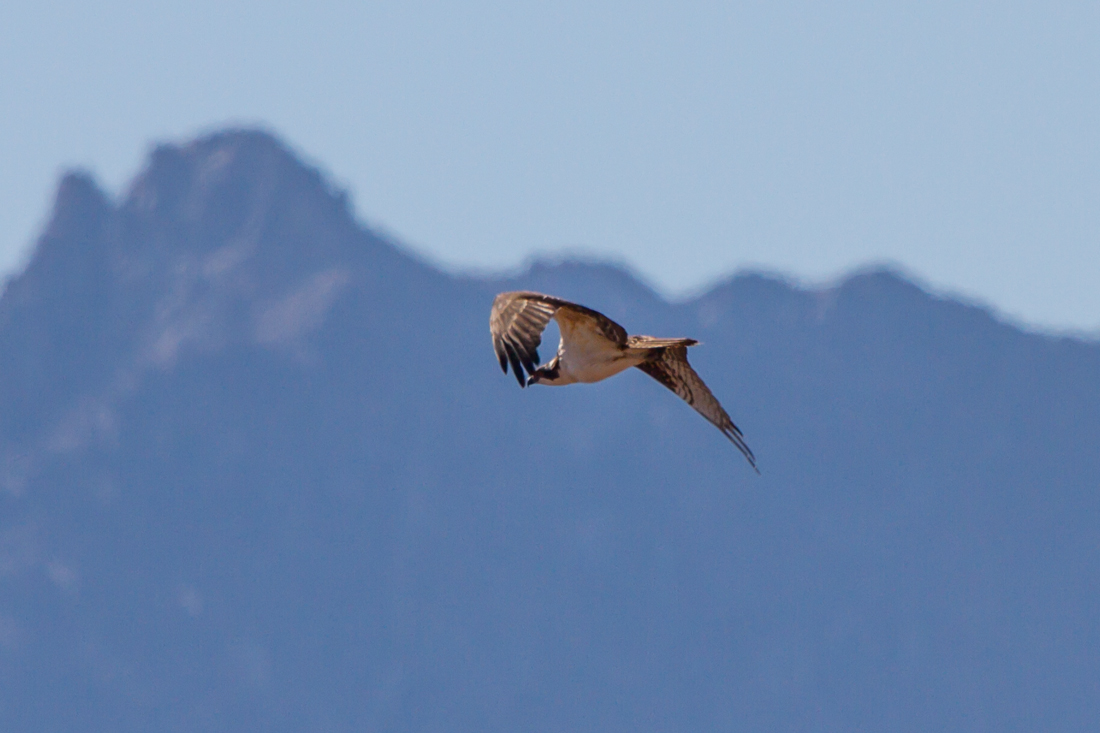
(260, 470)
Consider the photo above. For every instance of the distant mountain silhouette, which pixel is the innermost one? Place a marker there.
(259, 470)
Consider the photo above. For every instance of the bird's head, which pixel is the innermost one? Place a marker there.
(548, 373)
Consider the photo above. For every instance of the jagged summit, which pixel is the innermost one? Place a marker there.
(238, 188)
(228, 239)
(79, 203)
(222, 178)
(234, 187)
(68, 248)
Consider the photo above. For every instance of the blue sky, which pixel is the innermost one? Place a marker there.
(960, 141)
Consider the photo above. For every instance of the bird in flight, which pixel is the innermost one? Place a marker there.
(593, 347)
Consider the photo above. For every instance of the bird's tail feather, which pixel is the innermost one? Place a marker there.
(652, 342)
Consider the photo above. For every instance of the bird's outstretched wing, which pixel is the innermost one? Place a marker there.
(517, 322)
(518, 319)
(671, 369)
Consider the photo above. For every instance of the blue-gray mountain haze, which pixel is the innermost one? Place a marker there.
(260, 471)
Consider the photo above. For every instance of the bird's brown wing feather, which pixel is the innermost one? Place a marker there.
(611, 331)
(517, 321)
(585, 329)
(671, 369)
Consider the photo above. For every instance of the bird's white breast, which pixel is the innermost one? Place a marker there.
(586, 355)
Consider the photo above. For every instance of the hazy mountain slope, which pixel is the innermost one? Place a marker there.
(262, 472)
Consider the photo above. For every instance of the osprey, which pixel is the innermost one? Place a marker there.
(593, 347)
